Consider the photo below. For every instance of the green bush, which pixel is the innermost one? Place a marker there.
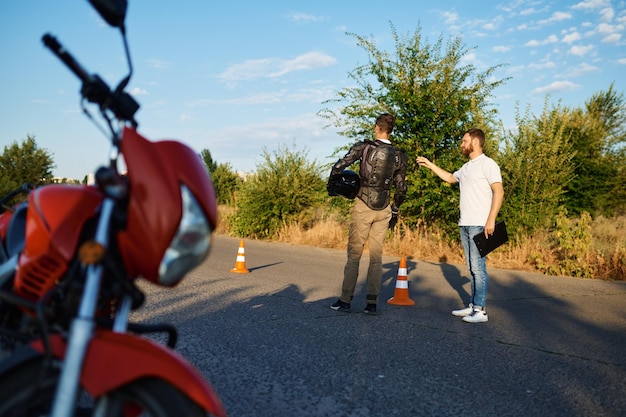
(570, 246)
(536, 167)
(572, 242)
(285, 188)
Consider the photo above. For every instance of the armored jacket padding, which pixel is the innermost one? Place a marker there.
(382, 167)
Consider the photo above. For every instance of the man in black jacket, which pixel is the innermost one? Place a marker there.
(382, 166)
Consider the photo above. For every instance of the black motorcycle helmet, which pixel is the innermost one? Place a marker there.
(345, 184)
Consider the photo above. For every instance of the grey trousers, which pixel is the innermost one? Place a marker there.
(366, 225)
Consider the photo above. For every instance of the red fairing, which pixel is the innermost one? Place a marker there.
(54, 220)
(4, 223)
(115, 359)
(156, 171)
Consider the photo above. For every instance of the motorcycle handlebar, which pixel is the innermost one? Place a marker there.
(94, 89)
(53, 44)
(24, 189)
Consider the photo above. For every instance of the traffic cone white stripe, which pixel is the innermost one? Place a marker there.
(402, 284)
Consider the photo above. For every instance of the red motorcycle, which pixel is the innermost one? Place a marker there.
(69, 260)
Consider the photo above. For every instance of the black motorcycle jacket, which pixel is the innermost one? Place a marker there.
(381, 167)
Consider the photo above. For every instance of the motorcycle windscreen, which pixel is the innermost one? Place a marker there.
(156, 171)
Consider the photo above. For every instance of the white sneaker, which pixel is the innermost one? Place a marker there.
(464, 311)
(478, 316)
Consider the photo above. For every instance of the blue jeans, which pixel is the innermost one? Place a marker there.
(476, 264)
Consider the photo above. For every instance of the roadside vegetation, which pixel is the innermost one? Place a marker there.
(575, 247)
(564, 171)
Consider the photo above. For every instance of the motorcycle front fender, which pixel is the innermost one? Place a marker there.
(115, 359)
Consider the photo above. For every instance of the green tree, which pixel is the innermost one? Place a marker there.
(598, 134)
(536, 166)
(435, 96)
(225, 180)
(24, 162)
(285, 188)
(210, 164)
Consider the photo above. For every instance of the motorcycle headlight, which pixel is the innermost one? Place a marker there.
(190, 245)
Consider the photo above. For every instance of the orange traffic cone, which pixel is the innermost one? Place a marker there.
(240, 265)
(401, 295)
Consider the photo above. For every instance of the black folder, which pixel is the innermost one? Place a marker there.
(498, 238)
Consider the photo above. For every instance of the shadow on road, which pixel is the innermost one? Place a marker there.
(271, 346)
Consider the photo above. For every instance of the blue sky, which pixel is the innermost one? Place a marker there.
(243, 76)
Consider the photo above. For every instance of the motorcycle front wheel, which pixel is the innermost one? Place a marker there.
(28, 391)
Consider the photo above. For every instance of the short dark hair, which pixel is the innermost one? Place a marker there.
(476, 133)
(386, 122)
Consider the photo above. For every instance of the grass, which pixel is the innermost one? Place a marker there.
(604, 257)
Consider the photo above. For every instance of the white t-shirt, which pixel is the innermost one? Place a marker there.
(475, 178)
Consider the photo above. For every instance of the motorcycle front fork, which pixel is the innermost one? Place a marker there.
(82, 327)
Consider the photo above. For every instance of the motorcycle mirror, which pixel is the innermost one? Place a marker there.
(112, 11)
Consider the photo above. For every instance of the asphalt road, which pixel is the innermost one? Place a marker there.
(271, 346)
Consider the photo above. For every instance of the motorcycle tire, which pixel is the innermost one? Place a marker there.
(28, 391)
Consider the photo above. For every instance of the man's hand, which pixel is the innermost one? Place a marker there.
(394, 220)
(490, 227)
(423, 162)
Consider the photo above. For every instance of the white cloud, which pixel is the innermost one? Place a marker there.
(550, 39)
(136, 91)
(528, 11)
(542, 65)
(607, 14)
(590, 4)
(580, 50)
(271, 97)
(274, 67)
(501, 48)
(556, 17)
(469, 58)
(250, 69)
(556, 87)
(516, 70)
(304, 17)
(159, 64)
(450, 18)
(306, 61)
(571, 37)
(622, 61)
(302, 95)
(510, 6)
(493, 23)
(614, 38)
(582, 69)
(606, 28)
(242, 144)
